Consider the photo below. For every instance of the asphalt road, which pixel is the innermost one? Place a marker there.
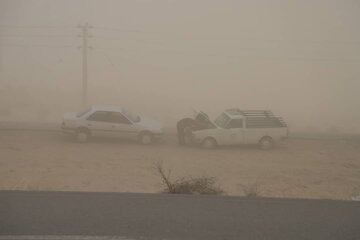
(160, 216)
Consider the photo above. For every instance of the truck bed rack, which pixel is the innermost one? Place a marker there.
(258, 118)
(250, 113)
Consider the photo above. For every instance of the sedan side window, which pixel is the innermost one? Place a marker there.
(235, 123)
(99, 116)
(116, 117)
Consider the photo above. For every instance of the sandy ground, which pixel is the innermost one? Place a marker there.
(296, 168)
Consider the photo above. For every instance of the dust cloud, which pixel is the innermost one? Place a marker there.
(161, 58)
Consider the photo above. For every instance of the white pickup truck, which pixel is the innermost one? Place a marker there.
(110, 121)
(235, 127)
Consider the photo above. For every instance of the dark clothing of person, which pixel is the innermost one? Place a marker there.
(186, 125)
(181, 126)
(202, 122)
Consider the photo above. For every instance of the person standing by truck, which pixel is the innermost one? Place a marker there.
(186, 125)
(183, 127)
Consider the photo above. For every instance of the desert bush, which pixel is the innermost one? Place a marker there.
(191, 185)
(251, 190)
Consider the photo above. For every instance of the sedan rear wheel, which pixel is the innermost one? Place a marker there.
(146, 138)
(82, 136)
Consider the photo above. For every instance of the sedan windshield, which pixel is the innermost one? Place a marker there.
(133, 117)
(82, 113)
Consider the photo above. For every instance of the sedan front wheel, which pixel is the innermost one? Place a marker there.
(146, 138)
(266, 143)
(82, 136)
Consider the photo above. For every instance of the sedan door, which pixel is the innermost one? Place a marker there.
(122, 126)
(99, 124)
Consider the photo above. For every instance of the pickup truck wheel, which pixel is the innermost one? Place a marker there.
(146, 138)
(208, 143)
(266, 143)
(82, 136)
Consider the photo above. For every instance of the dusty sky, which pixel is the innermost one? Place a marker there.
(299, 58)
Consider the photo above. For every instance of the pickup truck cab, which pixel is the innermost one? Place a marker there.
(110, 121)
(235, 127)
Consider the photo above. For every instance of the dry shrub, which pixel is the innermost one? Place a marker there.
(251, 190)
(199, 185)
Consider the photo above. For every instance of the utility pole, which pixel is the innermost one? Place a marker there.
(85, 35)
(1, 61)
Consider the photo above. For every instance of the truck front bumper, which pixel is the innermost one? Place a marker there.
(67, 131)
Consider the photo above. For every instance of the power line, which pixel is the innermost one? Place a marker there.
(85, 35)
(119, 30)
(327, 42)
(248, 39)
(112, 63)
(120, 37)
(106, 56)
(35, 26)
(182, 53)
(37, 45)
(34, 35)
(235, 57)
(111, 48)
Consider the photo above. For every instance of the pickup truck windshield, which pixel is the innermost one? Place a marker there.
(222, 120)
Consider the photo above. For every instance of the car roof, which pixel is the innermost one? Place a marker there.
(108, 108)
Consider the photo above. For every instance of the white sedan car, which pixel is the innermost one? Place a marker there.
(110, 121)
